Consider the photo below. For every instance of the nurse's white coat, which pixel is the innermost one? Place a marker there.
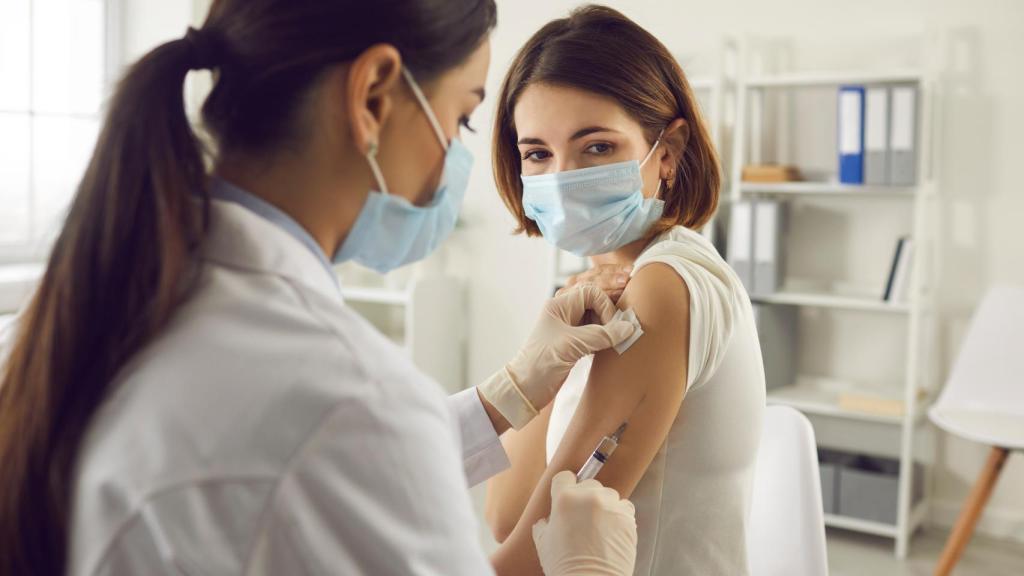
(271, 430)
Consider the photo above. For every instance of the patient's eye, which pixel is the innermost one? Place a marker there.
(536, 155)
(599, 149)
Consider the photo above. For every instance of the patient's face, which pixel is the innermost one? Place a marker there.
(562, 128)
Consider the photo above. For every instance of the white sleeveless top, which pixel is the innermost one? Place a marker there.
(693, 501)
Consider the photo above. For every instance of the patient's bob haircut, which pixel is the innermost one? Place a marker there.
(599, 50)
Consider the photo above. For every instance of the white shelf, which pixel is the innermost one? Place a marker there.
(826, 189)
(812, 300)
(918, 514)
(823, 398)
(858, 525)
(413, 317)
(813, 79)
(376, 295)
(17, 281)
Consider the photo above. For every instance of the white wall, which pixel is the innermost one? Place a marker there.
(978, 161)
(148, 23)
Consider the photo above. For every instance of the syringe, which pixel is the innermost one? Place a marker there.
(600, 455)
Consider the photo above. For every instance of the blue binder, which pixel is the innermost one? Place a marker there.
(851, 134)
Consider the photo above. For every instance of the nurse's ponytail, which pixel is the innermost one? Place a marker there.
(113, 279)
(125, 257)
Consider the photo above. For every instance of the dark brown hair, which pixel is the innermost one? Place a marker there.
(124, 258)
(599, 50)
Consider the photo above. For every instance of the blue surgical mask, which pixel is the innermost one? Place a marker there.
(390, 231)
(592, 210)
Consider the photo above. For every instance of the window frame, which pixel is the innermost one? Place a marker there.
(38, 249)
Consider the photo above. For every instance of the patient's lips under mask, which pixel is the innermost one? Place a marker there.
(592, 210)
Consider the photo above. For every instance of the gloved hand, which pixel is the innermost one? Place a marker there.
(531, 380)
(610, 278)
(590, 531)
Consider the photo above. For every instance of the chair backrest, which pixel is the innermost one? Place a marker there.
(989, 371)
(786, 528)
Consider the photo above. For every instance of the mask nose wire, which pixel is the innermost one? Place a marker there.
(415, 87)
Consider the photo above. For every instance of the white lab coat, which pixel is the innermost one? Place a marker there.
(271, 430)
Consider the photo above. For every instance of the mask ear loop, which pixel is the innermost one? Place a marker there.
(371, 159)
(425, 104)
(653, 148)
(371, 154)
(657, 193)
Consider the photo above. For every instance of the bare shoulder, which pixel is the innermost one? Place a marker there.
(660, 298)
(657, 362)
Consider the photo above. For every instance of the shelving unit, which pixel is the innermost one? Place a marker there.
(830, 78)
(822, 397)
(900, 435)
(16, 285)
(826, 190)
(833, 301)
(413, 312)
(376, 295)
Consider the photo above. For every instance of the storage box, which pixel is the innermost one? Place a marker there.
(869, 489)
(829, 486)
(830, 462)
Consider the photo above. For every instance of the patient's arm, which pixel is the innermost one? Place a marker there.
(508, 492)
(645, 386)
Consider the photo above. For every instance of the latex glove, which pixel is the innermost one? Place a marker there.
(530, 381)
(590, 530)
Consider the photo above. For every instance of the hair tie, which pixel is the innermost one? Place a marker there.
(206, 53)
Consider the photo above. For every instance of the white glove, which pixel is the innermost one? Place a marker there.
(531, 380)
(590, 531)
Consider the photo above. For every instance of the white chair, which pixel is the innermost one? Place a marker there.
(786, 532)
(983, 400)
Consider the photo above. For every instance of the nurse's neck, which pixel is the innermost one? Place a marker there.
(321, 191)
(624, 256)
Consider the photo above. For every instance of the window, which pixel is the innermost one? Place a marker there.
(53, 71)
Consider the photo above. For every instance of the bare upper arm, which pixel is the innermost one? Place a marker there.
(645, 385)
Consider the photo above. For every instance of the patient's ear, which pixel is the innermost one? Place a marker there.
(673, 142)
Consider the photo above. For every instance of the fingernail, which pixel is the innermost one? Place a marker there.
(627, 268)
(621, 280)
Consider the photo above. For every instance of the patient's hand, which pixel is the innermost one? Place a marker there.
(610, 278)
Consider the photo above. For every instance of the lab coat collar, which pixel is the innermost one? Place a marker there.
(223, 190)
(240, 238)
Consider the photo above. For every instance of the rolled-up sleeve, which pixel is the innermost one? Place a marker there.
(482, 453)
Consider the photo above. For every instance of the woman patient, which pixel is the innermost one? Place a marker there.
(600, 148)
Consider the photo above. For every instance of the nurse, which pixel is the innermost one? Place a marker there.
(187, 393)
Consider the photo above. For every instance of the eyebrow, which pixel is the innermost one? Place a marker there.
(582, 132)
